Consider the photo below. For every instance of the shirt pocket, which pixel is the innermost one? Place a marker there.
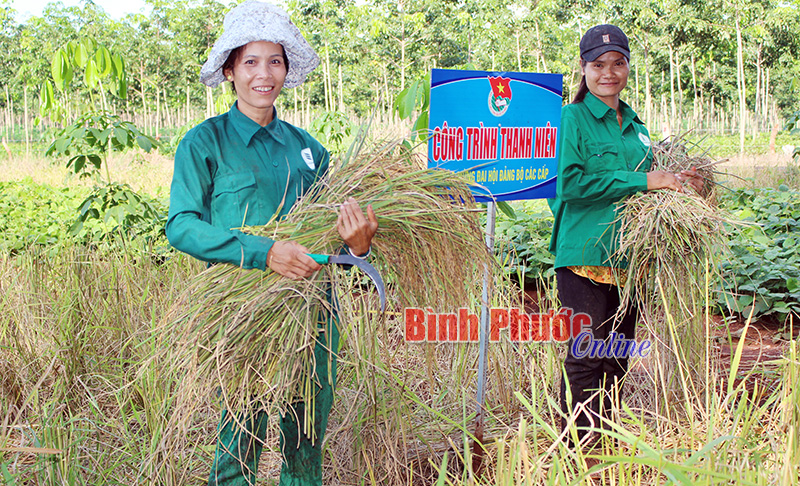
(305, 177)
(234, 202)
(602, 157)
(640, 158)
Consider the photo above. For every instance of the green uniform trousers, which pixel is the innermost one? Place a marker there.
(241, 439)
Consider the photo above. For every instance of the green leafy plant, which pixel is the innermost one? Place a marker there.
(416, 98)
(88, 141)
(95, 133)
(331, 128)
(33, 214)
(763, 274)
(101, 69)
(122, 211)
(37, 215)
(524, 241)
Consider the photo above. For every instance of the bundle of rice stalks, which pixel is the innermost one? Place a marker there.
(251, 334)
(672, 242)
(674, 155)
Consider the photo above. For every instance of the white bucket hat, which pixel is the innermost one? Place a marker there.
(260, 21)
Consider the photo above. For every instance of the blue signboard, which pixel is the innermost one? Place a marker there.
(501, 127)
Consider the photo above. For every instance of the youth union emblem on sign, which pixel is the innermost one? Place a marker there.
(500, 96)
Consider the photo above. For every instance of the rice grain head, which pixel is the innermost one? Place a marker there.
(249, 335)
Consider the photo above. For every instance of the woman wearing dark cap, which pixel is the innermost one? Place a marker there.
(605, 155)
(243, 168)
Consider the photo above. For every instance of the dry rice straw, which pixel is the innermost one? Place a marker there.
(670, 241)
(251, 334)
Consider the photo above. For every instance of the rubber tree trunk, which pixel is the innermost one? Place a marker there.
(540, 50)
(186, 122)
(27, 130)
(673, 114)
(648, 99)
(696, 104)
(740, 83)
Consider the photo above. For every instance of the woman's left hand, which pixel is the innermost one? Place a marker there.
(356, 230)
(692, 178)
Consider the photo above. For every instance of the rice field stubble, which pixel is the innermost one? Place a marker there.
(79, 406)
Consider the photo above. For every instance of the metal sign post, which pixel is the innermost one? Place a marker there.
(483, 337)
(483, 123)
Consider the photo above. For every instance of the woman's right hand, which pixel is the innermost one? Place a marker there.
(290, 259)
(661, 179)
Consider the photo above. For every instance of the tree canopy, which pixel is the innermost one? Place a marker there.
(691, 60)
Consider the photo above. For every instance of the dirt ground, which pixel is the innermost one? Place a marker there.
(765, 343)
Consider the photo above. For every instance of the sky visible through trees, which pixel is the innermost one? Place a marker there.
(695, 64)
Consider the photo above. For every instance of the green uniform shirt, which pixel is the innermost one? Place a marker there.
(231, 172)
(599, 164)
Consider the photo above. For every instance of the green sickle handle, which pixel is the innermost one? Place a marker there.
(321, 259)
(345, 259)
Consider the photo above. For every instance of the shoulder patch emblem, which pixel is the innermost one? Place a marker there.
(645, 139)
(308, 158)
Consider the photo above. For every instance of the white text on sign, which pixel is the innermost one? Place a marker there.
(493, 143)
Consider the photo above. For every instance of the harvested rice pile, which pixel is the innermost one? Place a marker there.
(251, 334)
(672, 242)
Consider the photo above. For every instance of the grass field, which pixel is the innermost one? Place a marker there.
(82, 401)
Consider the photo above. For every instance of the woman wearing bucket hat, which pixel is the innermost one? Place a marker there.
(605, 155)
(242, 168)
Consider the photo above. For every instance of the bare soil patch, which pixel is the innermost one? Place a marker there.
(765, 343)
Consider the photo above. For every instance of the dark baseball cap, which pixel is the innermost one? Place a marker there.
(601, 39)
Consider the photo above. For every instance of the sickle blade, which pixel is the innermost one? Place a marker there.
(371, 271)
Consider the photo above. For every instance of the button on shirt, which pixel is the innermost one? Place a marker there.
(231, 172)
(599, 164)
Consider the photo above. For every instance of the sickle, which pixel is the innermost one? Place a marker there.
(371, 271)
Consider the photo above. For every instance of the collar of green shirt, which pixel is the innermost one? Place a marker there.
(599, 109)
(247, 128)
